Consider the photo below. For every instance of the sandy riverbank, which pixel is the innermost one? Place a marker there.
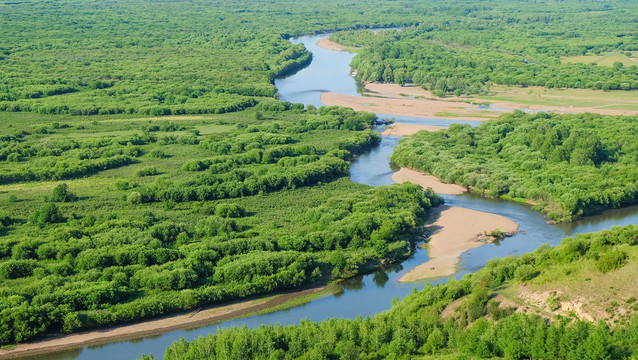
(400, 129)
(206, 316)
(331, 45)
(454, 230)
(417, 102)
(426, 181)
(425, 108)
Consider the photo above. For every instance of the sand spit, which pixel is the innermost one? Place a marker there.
(400, 129)
(331, 45)
(426, 181)
(453, 231)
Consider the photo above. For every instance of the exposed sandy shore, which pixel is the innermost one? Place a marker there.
(426, 181)
(405, 106)
(161, 325)
(453, 231)
(331, 45)
(400, 129)
(417, 102)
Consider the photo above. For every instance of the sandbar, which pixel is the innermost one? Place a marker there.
(400, 129)
(453, 231)
(427, 181)
(331, 45)
(417, 102)
(426, 108)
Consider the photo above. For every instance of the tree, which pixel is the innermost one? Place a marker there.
(61, 193)
(48, 213)
(435, 340)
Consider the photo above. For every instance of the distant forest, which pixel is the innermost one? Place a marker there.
(515, 43)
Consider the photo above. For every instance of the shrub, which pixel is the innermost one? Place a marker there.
(134, 197)
(157, 153)
(61, 193)
(611, 260)
(229, 210)
(525, 272)
(148, 171)
(14, 269)
(123, 185)
(48, 213)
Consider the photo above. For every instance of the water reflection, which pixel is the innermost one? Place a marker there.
(380, 278)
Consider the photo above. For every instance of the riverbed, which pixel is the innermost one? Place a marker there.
(367, 294)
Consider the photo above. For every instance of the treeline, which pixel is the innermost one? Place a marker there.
(479, 327)
(63, 169)
(567, 165)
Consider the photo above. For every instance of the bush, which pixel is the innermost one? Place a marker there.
(611, 260)
(14, 269)
(123, 185)
(158, 154)
(134, 197)
(61, 193)
(148, 171)
(48, 213)
(5, 219)
(229, 210)
(525, 272)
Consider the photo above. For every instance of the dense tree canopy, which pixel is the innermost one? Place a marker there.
(258, 204)
(568, 165)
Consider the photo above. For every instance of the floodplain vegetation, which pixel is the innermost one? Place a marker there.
(146, 167)
(568, 165)
(108, 220)
(469, 318)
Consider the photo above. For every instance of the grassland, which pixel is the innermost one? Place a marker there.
(604, 59)
(578, 289)
(585, 98)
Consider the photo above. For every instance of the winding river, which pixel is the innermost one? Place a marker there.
(367, 294)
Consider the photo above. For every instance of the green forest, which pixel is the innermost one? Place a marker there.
(568, 166)
(421, 325)
(112, 220)
(517, 43)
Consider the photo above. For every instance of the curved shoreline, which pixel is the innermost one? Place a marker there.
(453, 231)
(427, 181)
(325, 43)
(206, 316)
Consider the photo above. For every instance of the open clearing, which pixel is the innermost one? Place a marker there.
(605, 59)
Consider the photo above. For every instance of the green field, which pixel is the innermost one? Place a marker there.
(594, 99)
(606, 59)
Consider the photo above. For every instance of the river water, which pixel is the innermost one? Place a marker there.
(367, 294)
